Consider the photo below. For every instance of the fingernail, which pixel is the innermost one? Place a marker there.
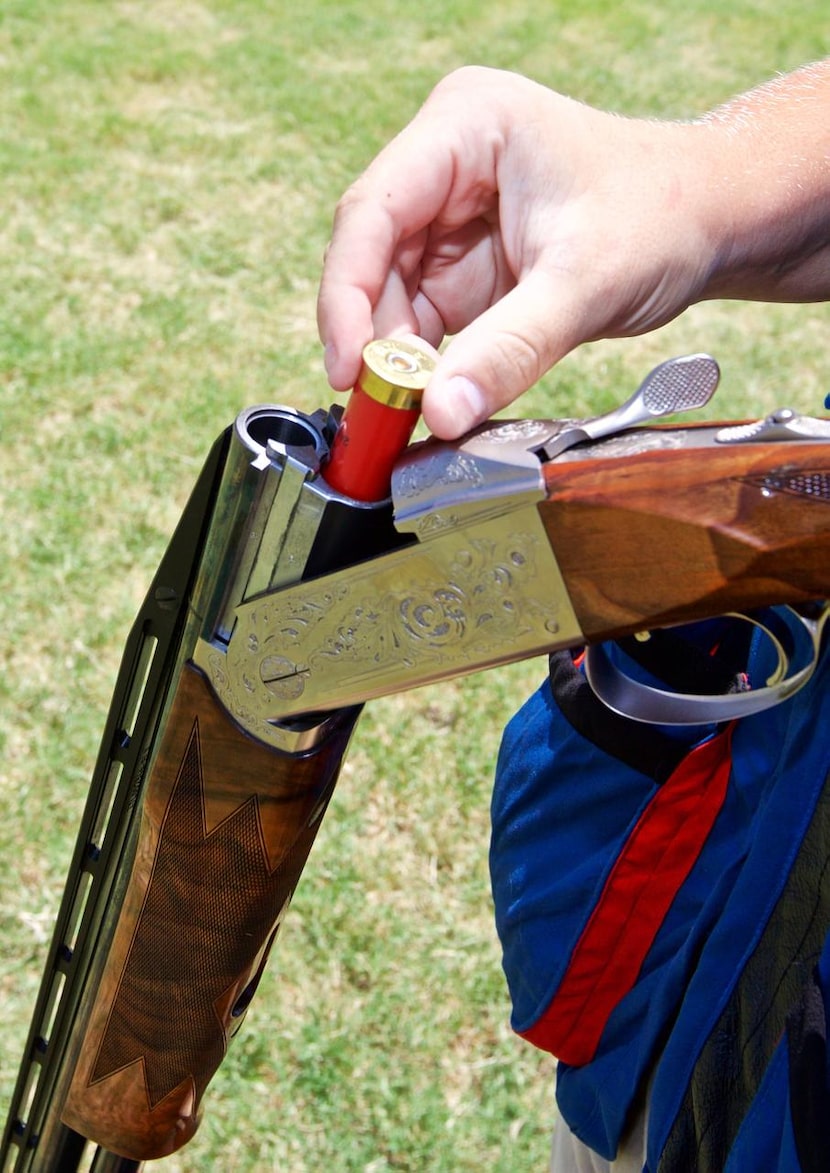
(465, 403)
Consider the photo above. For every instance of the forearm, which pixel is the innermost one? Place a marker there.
(768, 189)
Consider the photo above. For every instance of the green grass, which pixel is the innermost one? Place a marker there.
(168, 171)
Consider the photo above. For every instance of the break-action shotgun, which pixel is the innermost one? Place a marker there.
(283, 603)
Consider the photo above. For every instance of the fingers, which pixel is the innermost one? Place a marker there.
(439, 228)
(438, 172)
(503, 353)
(395, 314)
(379, 232)
(356, 268)
(363, 295)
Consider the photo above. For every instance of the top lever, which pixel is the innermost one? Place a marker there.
(678, 384)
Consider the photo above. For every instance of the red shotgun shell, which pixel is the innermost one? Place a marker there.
(380, 417)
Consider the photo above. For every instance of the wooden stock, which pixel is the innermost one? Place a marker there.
(668, 536)
(226, 827)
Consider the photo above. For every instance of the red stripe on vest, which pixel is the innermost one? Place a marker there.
(653, 864)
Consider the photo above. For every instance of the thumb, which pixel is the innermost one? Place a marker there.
(501, 354)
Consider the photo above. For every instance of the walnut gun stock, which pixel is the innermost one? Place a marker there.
(280, 607)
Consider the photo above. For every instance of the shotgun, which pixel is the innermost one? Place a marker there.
(281, 606)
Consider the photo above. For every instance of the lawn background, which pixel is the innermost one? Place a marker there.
(168, 171)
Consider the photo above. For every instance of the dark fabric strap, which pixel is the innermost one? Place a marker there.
(707, 658)
(642, 747)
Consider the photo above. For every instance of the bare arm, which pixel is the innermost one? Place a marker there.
(771, 199)
(525, 223)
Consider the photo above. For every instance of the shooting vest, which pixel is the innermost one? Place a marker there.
(663, 902)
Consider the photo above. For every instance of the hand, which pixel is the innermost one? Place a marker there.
(497, 216)
(525, 223)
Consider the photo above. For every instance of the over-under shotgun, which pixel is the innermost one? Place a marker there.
(281, 605)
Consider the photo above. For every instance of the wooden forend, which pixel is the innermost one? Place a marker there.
(226, 828)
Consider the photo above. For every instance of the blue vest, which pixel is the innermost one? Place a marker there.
(664, 912)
